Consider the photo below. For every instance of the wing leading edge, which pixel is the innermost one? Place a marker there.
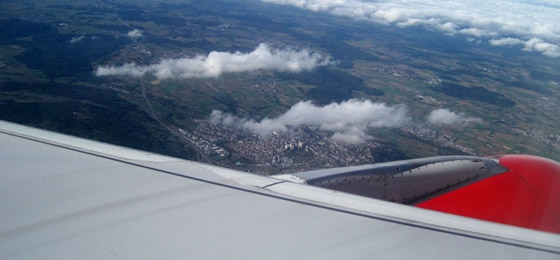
(62, 197)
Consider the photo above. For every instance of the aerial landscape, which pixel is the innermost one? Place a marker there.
(282, 86)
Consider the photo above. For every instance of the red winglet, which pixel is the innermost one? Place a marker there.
(526, 196)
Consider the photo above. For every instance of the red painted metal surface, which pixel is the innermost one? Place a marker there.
(526, 196)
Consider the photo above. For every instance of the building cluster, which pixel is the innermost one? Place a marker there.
(266, 86)
(437, 138)
(540, 136)
(548, 104)
(281, 152)
(295, 151)
(397, 72)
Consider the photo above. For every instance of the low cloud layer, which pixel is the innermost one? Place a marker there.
(216, 63)
(535, 44)
(134, 33)
(77, 39)
(348, 121)
(444, 116)
(532, 24)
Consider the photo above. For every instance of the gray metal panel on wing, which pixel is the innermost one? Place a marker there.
(85, 200)
(406, 181)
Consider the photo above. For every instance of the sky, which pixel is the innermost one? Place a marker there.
(529, 25)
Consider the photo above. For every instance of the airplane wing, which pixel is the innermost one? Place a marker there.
(63, 197)
(518, 190)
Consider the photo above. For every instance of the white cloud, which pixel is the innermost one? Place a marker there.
(134, 33)
(216, 63)
(506, 41)
(351, 136)
(444, 116)
(76, 39)
(517, 19)
(535, 44)
(127, 69)
(546, 48)
(349, 120)
(476, 32)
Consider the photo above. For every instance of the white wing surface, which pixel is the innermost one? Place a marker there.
(63, 197)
